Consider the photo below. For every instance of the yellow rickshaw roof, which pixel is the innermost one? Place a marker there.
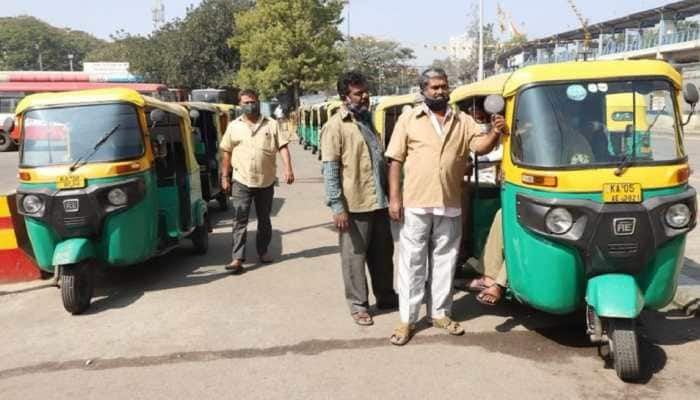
(80, 96)
(492, 85)
(587, 70)
(166, 106)
(201, 105)
(391, 101)
(225, 107)
(333, 104)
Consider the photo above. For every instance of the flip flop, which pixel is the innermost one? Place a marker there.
(236, 267)
(481, 297)
(402, 334)
(477, 285)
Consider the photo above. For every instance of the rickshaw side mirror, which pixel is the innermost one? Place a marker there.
(194, 115)
(156, 116)
(8, 125)
(494, 104)
(690, 94)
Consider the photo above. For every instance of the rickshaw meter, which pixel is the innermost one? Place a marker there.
(559, 220)
(117, 197)
(32, 204)
(678, 216)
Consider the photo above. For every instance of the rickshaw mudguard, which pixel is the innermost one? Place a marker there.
(615, 296)
(73, 250)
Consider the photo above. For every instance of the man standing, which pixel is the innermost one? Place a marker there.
(354, 172)
(431, 145)
(250, 146)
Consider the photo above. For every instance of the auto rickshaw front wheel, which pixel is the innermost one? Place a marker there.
(624, 348)
(77, 286)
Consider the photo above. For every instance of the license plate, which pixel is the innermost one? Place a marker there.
(622, 193)
(70, 181)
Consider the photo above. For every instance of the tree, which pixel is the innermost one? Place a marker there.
(23, 39)
(384, 62)
(289, 46)
(457, 69)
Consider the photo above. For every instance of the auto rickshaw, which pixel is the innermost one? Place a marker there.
(586, 224)
(314, 127)
(207, 132)
(619, 122)
(387, 111)
(108, 177)
(304, 126)
(326, 111)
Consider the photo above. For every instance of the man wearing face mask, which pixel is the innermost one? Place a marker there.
(354, 172)
(431, 145)
(250, 146)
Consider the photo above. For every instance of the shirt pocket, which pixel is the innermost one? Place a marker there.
(267, 142)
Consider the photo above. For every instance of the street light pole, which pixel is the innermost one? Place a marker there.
(41, 64)
(481, 40)
(70, 60)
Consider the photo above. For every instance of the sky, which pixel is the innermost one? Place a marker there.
(413, 23)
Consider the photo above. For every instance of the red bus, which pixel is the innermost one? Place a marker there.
(14, 86)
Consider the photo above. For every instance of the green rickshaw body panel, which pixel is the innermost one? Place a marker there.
(550, 276)
(127, 237)
(615, 296)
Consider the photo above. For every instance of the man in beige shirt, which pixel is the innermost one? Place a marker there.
(250, 146)
(431, 144)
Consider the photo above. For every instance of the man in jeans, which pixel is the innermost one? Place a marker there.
(431, 144)
(354, 171)
(250, 146)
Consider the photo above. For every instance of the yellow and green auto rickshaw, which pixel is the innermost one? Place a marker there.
(207, 131)
(586, 224)
(386, 112)
(619, 113)
(325, 111)
(315, 127)
(108, 177)
(304, 126)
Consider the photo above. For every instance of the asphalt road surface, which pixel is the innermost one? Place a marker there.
(180, 327)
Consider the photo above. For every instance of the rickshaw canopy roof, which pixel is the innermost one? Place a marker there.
(492, 85)
(398, 100)
(201, 105)
(590, 70)
(43, 100)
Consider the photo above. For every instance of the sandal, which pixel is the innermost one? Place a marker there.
(362, 318)
(452, 327)
(490, 295)
(477, 285)
(402, 334)
(236, 267)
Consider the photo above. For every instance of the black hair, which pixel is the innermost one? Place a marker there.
(248, 93)
(350, 78)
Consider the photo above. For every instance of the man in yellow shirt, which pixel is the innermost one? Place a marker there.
(250, 146)
(431, 144)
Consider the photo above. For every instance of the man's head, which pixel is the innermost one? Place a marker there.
(476, 111)
(435, 88)
(248, 100)
(352, 89)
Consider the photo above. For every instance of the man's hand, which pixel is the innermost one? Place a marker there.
(498, 123)
(288, 176)
(396, 210)
(341, 221)
(225, 184)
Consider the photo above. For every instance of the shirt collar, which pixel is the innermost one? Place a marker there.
(424, 110)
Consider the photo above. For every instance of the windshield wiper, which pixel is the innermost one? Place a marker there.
(82, 160)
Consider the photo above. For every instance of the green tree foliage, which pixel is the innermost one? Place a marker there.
(384, 62)
(23, 38)
(289, 46)
(189, 53)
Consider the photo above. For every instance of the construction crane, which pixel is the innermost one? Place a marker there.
(505, 23)
(584, 26)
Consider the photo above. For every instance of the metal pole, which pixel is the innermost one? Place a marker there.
(481, 40)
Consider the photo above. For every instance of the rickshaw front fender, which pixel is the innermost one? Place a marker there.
(73, 251)
(615, 296)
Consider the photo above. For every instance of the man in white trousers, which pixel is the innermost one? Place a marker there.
(431, 144)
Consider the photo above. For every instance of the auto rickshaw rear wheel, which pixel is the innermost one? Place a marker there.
(200, 237)
(77, 286)
(6, 143)
(624, 348)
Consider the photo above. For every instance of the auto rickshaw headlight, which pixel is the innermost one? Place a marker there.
(117, 197)
(559, 220)
(678, 216)
(32, 204)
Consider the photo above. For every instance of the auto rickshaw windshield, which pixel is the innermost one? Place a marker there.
(585, 124)
(55, 136)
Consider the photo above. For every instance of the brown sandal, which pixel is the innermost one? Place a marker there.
(491, 295)
(402, 334)
(362, 318)
(452, 327)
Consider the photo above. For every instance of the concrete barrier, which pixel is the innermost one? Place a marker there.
(16, 257)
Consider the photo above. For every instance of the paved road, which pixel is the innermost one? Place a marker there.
(180, 327)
